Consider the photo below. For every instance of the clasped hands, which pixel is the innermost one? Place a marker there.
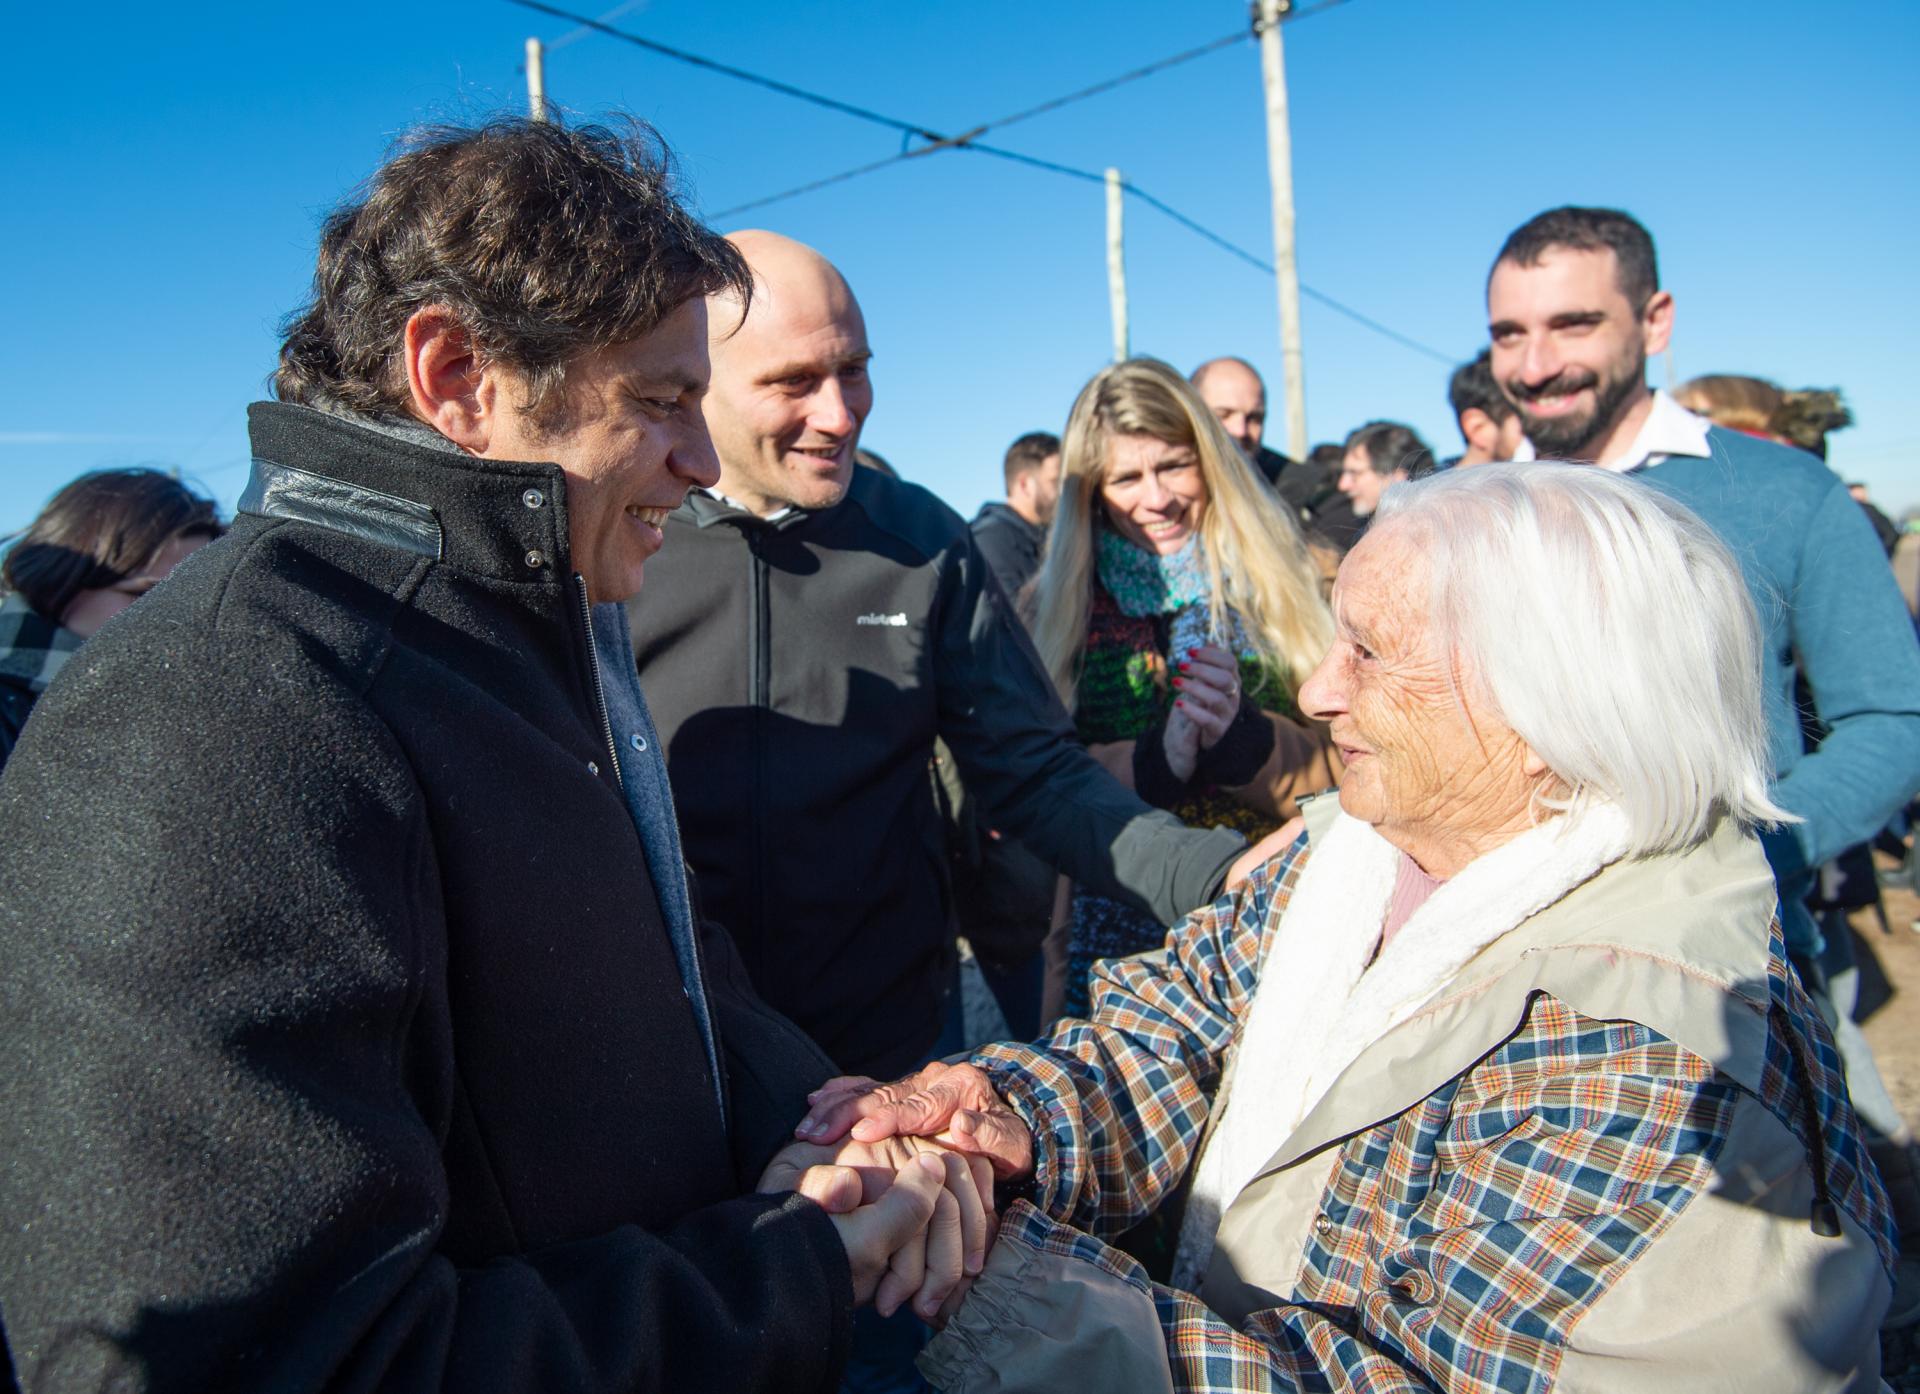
(906, 1171)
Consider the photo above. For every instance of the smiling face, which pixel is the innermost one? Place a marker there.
(790, 385)
(1570, 351)
(1153, 492)
(631, 443)
(1438, 775)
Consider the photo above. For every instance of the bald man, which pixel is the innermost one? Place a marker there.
(806, 635)
(1234, 392)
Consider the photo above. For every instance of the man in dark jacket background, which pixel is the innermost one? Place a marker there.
(810, 631)
(361, 1028)
(1012, 534)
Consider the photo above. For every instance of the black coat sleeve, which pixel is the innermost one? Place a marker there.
(227, 1038)
(1019, 756)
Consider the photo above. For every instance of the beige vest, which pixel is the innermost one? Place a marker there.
(1722, 1299)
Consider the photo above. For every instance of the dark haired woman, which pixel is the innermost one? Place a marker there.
(102, 542)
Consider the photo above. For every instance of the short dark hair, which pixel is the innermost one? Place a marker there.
(544, 240)
(1391, 446)
(1029, 453)
(98, 531)
(1590, 230)
(1327, 456)
(1472, 386)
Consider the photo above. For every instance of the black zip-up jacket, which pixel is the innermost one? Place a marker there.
(345, 1047)
(1011, 545)
(799, 671)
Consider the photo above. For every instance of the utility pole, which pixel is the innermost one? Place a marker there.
(1273, 74)
(536, 80)
(1117, 261)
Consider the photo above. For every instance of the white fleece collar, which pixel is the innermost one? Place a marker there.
(1318, 1004)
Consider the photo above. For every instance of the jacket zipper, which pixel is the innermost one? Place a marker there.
(599, 691)
(757, 698)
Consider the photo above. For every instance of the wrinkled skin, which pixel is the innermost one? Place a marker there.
(1429, 762)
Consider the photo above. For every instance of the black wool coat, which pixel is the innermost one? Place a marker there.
(345, 1046)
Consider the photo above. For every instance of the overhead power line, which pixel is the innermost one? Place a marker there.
(574, 36)
(932, 148)
(1168, 210)
(771, 84)
(1054, 104)
(587, 24)
(969, 140)
(1239, 36)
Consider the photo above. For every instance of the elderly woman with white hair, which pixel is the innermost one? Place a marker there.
(1498, 1079)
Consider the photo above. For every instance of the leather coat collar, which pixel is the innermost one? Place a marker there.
(501, 519)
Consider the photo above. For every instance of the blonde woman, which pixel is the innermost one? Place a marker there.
(1177, 609)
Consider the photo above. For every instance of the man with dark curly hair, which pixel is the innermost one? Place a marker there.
(361, 1026)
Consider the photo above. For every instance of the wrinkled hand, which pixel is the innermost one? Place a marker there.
(1264, 851)
(954, 1105)
(1209, 686)
(924, 1263)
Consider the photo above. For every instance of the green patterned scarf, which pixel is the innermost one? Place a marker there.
(1145, 583)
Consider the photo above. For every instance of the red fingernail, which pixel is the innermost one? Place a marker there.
(1179, 682)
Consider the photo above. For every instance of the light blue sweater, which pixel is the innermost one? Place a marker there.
(1827, 601)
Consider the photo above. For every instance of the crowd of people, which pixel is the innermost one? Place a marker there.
(491, 917)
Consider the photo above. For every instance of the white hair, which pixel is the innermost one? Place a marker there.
(1613, 632)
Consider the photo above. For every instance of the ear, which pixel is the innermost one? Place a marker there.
(1477, 429)
(1531, 764)
(451, 388)
(1659, 322)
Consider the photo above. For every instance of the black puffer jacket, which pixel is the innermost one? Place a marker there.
(345, 1046)
(799, 671)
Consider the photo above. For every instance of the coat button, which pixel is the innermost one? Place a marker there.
(638, 742)
(536, 559)
(533, 498)
(592, 767)
(1323, 1225)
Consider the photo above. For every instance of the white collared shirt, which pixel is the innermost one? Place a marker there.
(1669, 430)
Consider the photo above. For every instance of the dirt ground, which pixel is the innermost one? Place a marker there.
(1889, 955)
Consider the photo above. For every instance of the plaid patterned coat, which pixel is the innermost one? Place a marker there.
(32, 651)
(1459, 1239)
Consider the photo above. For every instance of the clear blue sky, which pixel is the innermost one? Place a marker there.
(166, 169)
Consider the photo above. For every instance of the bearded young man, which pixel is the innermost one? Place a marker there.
(1574, 309)
(361, 1027)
